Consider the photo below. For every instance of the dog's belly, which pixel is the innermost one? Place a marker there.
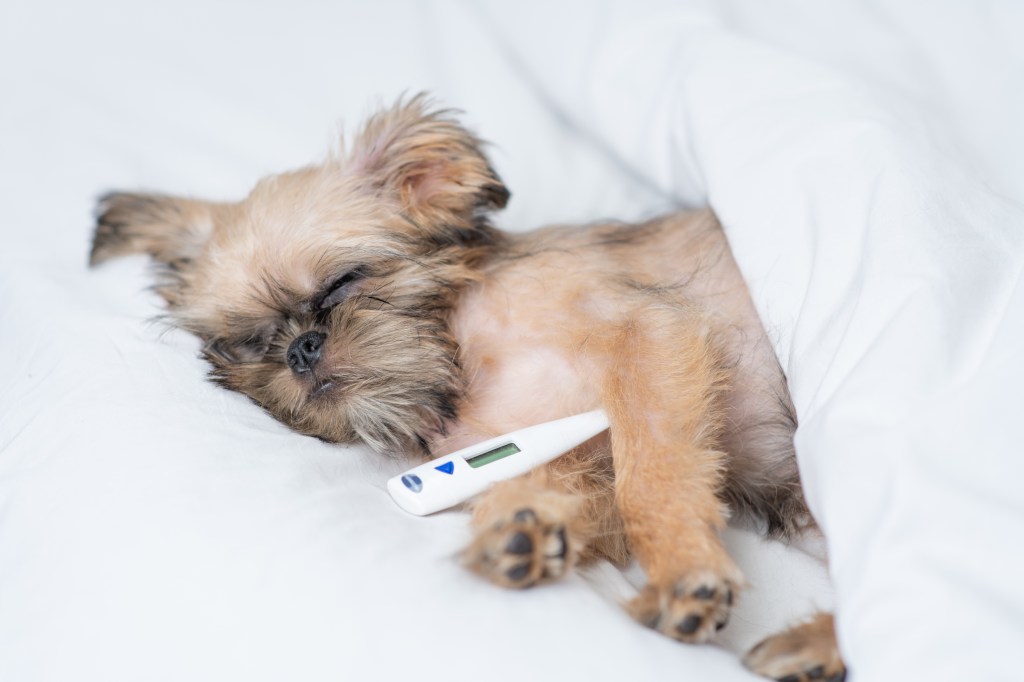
(529, 335)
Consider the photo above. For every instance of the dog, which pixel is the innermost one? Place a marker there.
(369, 298)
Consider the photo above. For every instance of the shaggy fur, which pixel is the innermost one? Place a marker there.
(369, 298)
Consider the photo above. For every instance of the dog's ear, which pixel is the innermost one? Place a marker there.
(432, 164)
(171, 230)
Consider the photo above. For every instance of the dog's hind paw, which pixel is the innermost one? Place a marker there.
(521, 551)
(804, 653)
(691, 609)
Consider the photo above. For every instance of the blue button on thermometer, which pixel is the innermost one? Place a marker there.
(412, 482)
(449, 480)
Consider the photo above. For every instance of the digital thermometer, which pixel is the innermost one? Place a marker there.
(449, 480)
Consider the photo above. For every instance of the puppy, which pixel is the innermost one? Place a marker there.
(369, 298)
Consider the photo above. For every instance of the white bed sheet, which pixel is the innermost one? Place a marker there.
(867, 164)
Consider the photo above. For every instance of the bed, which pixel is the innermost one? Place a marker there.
(866, 160)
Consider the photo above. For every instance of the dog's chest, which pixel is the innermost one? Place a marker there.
(515, 348)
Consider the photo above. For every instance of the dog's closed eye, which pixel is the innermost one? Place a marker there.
(338, 290)
(251, 349)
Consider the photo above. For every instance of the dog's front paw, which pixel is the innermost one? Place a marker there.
(521, 551)
(805, 652)
(690, 609)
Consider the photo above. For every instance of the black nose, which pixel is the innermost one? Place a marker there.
(304, 352)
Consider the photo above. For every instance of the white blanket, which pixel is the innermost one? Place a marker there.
(865, 158)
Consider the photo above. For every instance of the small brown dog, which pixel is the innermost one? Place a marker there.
(369, 298)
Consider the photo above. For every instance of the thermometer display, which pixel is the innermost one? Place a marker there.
(500, 452)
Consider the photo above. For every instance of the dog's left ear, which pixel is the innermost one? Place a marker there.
(433, 165)
(172, 230)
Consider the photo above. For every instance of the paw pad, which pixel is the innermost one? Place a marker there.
(521, 551)
(804, 653)
(691, 610)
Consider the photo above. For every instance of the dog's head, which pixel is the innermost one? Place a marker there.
(324, 295)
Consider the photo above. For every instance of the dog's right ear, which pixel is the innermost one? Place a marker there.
(171, 230)
(435, 167)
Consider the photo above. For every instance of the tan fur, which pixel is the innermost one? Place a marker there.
(432, 330)
(805, 652)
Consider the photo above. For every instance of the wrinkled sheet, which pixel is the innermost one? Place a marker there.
(865, 158)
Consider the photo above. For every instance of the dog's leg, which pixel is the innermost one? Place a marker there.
(807, 651)
(663, 395)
